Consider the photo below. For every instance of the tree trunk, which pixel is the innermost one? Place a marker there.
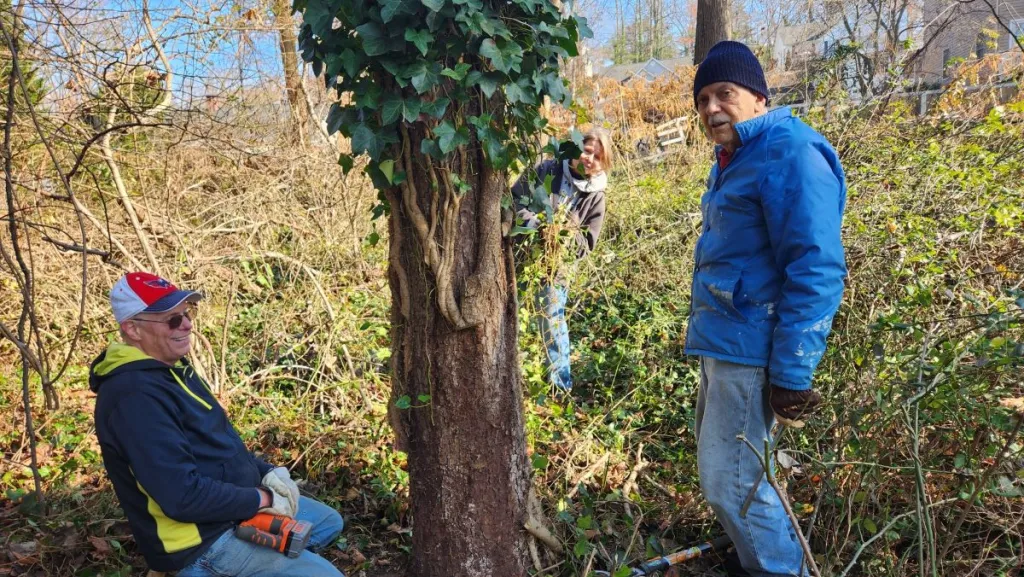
(290, 63)
(469, 475)
(712, 26)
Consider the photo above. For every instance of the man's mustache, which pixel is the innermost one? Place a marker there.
(718, 119)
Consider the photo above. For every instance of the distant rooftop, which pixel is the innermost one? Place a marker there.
(646, 71)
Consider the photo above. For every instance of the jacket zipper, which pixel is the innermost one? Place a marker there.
(704, 225)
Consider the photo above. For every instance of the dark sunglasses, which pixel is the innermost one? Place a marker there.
(173, 322)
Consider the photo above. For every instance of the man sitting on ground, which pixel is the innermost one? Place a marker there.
(183, 475)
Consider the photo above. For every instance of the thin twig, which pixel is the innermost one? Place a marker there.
(883, 531)
(765, 461)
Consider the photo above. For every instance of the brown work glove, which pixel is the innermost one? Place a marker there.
(791, 407)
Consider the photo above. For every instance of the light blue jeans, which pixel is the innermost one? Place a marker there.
(555, 333)
(733, 400)
(232, 557)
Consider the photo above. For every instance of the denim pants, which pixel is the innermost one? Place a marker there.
(733, 400)
(555, 333)
(232, 557)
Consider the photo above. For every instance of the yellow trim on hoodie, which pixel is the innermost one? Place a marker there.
(189, 391)
(174, 535)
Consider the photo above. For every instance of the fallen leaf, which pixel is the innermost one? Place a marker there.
(101, 546)
(22, 551)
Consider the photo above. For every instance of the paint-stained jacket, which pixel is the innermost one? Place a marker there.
(180, 470)
(769, 264)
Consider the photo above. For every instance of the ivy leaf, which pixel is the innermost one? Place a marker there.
(339, 118)
(351, 62)
(425, 75)
(403, 402)
(585, 31)
(387, 167)
(434, 5)
(411, 109)
(436, 107)
(448, 138)
(489, 49)
(488, 82)
(420, 38)
(346, 163)
(555, 86)
(569, 46)
(493, 142)
(318, 17)
(430, 148)
(372, 142)
(375, 42)
(391, 109)
(458, 73)
(391, 8)
(396, 69)
(521, 92)
(368, 95)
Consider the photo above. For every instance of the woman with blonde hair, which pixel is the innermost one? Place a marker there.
(577, 192)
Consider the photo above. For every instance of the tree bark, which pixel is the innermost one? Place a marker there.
(290, 63)
(713, 26)
(469, 475)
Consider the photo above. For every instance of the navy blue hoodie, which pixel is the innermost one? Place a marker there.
(180, 470)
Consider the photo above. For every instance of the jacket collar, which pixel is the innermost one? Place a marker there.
(750, 129)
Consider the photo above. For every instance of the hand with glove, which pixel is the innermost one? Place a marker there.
(791, 407)
(274, 503)
(280, 483)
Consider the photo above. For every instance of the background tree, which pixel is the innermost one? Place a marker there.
(713, 26)
(285, 25)
(646, 36)
(443, 96)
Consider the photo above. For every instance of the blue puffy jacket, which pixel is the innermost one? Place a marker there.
(769, 265)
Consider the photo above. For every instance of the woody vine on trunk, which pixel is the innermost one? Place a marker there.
(443, 97)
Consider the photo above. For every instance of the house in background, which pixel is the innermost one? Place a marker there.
(796, 45)
(645, 71)
(973, 32)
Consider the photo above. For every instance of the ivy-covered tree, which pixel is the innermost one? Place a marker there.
(444, 96)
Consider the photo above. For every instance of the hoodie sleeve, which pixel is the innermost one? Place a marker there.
(589, 227)
(150, 436)
(803, 198)
(263, 466)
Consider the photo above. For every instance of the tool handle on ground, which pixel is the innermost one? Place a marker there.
(260, 537)
(663, 563)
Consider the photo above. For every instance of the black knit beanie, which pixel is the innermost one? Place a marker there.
(730, 61)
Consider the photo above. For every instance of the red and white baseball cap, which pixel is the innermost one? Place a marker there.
(142, 292)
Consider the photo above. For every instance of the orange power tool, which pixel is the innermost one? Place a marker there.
(282, 534)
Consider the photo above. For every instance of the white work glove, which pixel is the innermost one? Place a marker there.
(279, 481)
(279, 504)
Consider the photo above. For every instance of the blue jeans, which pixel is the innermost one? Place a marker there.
(733, 400)
(555, 333)
(231, 557)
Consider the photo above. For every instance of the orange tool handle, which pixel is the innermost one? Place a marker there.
(262, 538)
(269, 523)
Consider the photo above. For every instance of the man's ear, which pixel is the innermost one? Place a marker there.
(130, 330)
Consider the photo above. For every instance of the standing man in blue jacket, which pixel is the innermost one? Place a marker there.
(767, 280)
(182, 474)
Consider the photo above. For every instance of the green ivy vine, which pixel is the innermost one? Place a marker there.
(421, 61)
